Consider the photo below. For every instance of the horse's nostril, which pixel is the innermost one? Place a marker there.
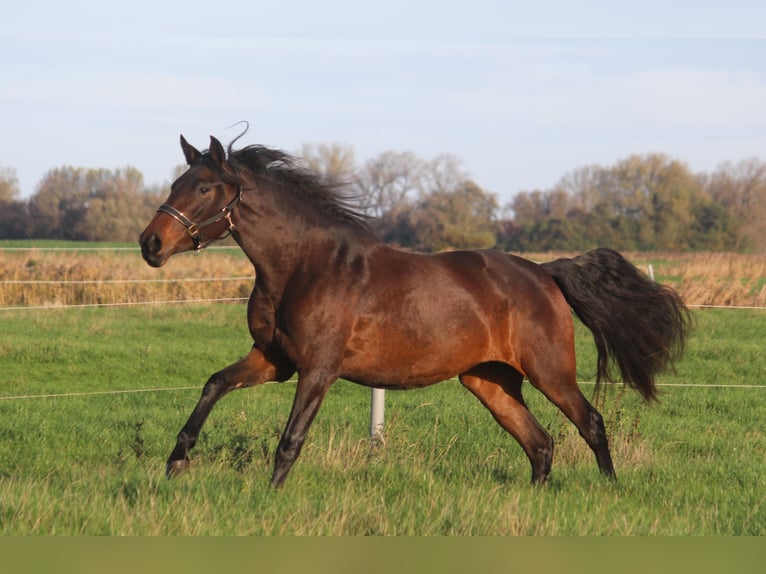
(150, 248)
(151, 244)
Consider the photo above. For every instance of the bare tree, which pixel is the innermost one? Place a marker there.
(390, 182)
(9, 185)
(335, 159)
(444, 174)
(741, 189)
(13, 211)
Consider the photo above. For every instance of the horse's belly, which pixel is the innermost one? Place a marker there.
(406, 360)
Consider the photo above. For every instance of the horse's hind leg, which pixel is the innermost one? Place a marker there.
(562, 390)
(498, 387)
(252, 370)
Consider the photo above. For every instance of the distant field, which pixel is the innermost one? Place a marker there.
(70, 273)
(703, 278)
(38, 276)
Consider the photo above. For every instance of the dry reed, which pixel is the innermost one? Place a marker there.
(717, 278)
(727, 279)
(56, 278)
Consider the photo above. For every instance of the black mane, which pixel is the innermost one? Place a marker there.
(331, 194)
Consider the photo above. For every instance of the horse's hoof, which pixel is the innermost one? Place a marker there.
(176, 468)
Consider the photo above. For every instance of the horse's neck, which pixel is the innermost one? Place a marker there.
(273, 262)
(278, 246)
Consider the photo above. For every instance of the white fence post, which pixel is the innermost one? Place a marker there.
(377, 409)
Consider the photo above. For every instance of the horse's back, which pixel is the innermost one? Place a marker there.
(422, 318)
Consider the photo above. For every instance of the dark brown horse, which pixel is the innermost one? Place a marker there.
(330, 300)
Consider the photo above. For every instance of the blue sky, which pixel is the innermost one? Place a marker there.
(522, 94)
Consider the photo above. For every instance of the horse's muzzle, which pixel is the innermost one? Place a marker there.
(151, 247)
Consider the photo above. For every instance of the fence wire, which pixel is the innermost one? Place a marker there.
(209, 301)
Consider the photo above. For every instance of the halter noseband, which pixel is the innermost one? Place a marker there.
(195, 229)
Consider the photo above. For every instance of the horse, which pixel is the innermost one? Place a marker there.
(330, 300)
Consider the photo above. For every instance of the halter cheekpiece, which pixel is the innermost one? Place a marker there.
(195, 229)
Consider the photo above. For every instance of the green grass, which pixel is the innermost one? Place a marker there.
(93, 463)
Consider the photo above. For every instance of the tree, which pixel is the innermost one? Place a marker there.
(538, 205)
(391, 182)
(9, 185)
(58, 189)
(659, 194)
(390, 186)
(335, 159)
(460, 218)
(642, 202)
(120, 209)
(417, 202)
(91, 204)
(13, 212)
(741, 189)
(587, 188)
(713, 229)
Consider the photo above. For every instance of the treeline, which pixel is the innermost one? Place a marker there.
(642, 203)
(645, 203)
(79, 204)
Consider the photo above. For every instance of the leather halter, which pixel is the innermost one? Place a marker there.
(195, 229)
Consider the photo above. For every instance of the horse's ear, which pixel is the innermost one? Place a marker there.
(190, 152)
(218, 155)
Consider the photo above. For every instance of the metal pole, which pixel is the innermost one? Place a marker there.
(377, 408)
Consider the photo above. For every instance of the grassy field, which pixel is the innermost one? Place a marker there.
(91, 399)
(81, 462)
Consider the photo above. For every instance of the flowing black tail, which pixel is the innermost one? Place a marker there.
(638, 324)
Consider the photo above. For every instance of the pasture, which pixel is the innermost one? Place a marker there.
(91, 399)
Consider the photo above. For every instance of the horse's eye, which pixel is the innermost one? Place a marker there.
(203, 189)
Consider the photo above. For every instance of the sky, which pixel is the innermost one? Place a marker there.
(521, 92)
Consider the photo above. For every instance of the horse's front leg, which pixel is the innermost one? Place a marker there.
(309, 394)
(254, 369)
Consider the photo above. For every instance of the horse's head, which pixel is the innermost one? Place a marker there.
(198, 209)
